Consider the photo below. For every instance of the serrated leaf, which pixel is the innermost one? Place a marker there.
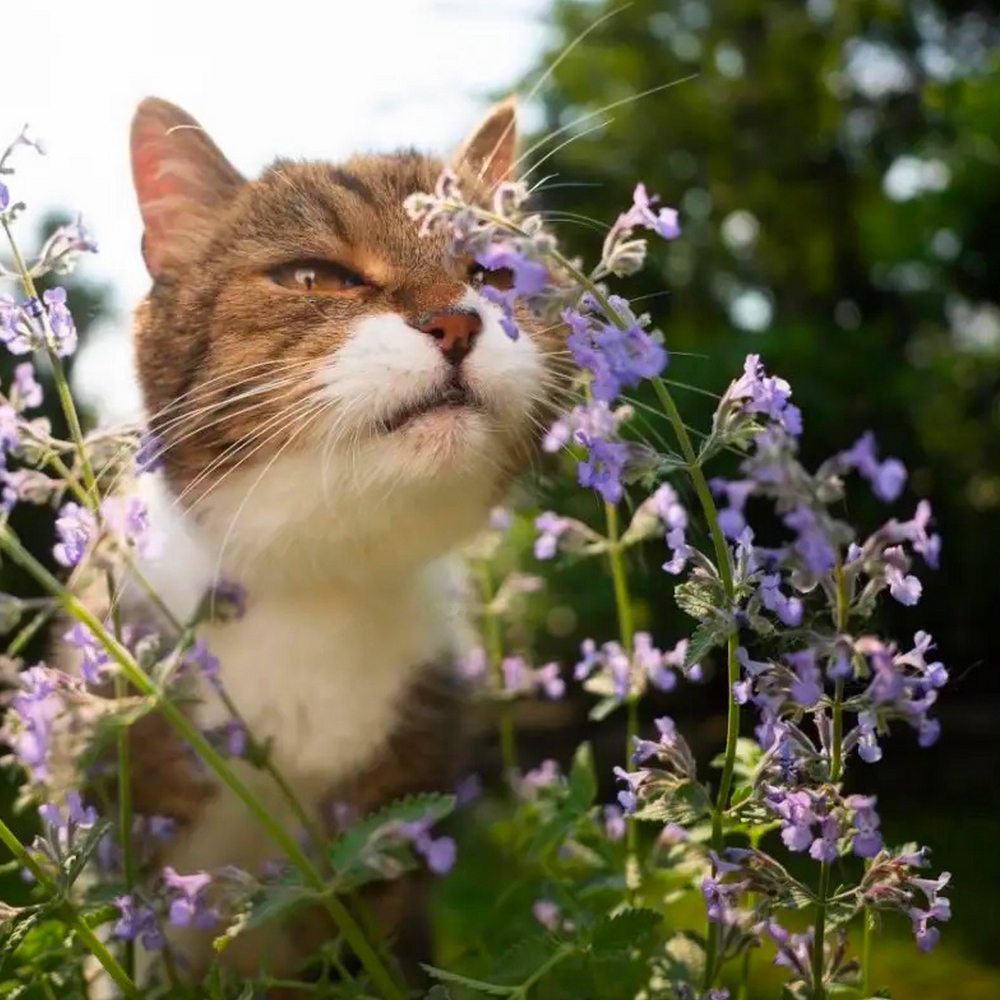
(684, 804)
(706, 637)
(472, 984)
(349, 850)
(623, 931)
(700, 598)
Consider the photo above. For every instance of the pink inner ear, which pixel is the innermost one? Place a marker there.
(155, 188)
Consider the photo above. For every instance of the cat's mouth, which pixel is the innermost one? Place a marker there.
(456, 395)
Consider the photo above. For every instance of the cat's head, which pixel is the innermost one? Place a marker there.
(328, 385)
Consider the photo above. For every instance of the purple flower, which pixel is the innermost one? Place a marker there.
(32, 713)
(614, 822)
(75, 527)
(199, 660)
(74, 816)
(680, 551)
(812, 544)
(906, 588)
(627, 797)
(549, 679)
(439, 853)
(128, 518)
(603, 468)
(60, 321)
(915, 532)
(29, 392)
(788, 609)
(663, 221)
(530, 278)
(766, 395)
(550, 527)
(596, 419)
(188, 907)
(867, 840)
(4, 197)
(615, 348)
(868, 749)
(824, 847)
(94, 659)
(546, 913)
(731, 518)
(516, 678)
(137, 921)
(149, 454)
(15, 331)
(887, 478)
(796, 814)
(807, 688)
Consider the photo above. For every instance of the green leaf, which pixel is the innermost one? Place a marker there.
(521, 961)
(604, 708)
(623, 932)
(438, 992)
(706, 637)
(476, 985)
(350, 849)
(700, 598)
(583, 778)
(685, 803)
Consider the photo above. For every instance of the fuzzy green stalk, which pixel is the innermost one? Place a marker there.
(135, 676)
(493, 637)
(70, 915)
(626, 632)
(836, 769)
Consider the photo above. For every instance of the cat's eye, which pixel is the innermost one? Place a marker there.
(319, 276)
(502, 277)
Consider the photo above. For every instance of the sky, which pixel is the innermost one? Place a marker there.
(309, 78)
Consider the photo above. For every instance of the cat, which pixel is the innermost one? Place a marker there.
(338, 410)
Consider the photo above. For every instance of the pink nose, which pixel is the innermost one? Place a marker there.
(455, 331)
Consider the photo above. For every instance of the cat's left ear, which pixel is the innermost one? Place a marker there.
(491, 150)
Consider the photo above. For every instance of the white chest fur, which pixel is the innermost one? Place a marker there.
(321, 674)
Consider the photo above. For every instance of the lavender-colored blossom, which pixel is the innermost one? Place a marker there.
(137, 921)
(546, 913)
(60, 321)
(614, 348)
(516, 676)
(530, 277)
(788, 609)
(807, 688)
(149, 454)
(94, 660)
(75, 527)
(128, 518)
(596, 419)
(439, 853)
(614, 822)
(550, 527)
(663, 221)
(15, 331)
(915, 532)
(812, 544)
(736, 492)
(627, 797)
(188, 906)
(34, 707)
(824, 847)
(867, 840)
(602, 470)
(887, 478)
(795, 810)
(29, 392)
(550, 681)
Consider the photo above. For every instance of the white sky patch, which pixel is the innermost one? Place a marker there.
(313, 79)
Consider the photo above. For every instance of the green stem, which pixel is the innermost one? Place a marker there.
(71, 916)
(866, 954)
(836, 769)
(189, 732)
(493, 637)
(722, 559)
(626, 633)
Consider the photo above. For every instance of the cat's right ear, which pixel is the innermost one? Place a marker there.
(180, 177)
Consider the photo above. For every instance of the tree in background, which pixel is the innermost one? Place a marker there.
(835, 165)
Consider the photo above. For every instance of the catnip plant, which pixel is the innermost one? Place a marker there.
(605, 891)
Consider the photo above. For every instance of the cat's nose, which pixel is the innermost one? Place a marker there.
(455, 331)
